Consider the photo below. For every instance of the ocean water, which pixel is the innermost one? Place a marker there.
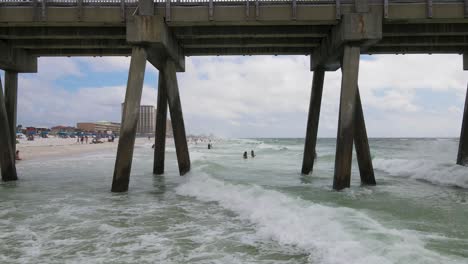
(231, 210)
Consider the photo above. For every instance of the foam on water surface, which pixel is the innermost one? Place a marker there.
(231, 210)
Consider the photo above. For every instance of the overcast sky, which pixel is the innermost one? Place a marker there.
(258, 96)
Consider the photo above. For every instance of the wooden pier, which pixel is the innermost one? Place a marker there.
(333, 33)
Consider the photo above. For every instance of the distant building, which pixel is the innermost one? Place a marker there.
(99, 127)
(147, 121)
(57, 129)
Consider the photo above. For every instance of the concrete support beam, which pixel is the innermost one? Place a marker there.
(161, 117)
(7, 156)
(462, 157)
(60, 32)
(344, 138)
(175, 108)
(131, 112)
(153, 32)
(16, 59)
(361, 30)
(81, 52)
(251, 31)
(313, 121)
(11, 101)
(361, 143)
(250, 42)
(70, 44)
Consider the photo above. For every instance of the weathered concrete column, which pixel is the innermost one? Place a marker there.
(344, 138)
(175, 108)
(131, 112)
(161, 118)
(462, 158)
(313, 121)
(7, 156)
(361, 143)
(11, 101)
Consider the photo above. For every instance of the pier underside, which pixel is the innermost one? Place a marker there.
(333, 34)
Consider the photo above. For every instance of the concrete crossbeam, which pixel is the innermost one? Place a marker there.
(16, 60)
(70, 44)
(361, 30)
(61, 32)
(425, 29)
(250, 42)
(81, 52)
(251, 31)
(153, 32)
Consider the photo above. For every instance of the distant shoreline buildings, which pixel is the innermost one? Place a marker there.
(147, 121)
(99, 127)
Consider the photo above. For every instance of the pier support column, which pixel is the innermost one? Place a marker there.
(161, 118)
(361, 143)
(462, 158)
(7, 156)
(313, 121)
(345, 135)
(11, 101)
(175, 109)
(131, 112)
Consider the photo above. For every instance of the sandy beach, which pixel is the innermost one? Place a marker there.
(58, 147)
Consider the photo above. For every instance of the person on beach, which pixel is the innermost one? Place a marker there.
(245, 154)
(252, 153)
(82, 139)
(209, 145)
(17, 157)
(86, 139)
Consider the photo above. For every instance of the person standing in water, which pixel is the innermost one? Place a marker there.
(245, 154)
(252, 153)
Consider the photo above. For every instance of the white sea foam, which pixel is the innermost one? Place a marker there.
(428, 170)
(328, 234)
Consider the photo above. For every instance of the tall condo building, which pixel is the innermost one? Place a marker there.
(147, 121)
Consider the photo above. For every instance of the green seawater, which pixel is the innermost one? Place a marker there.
(231, 210)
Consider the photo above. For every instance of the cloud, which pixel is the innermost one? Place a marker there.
(255, 96)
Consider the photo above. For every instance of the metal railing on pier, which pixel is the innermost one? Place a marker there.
(197, 2)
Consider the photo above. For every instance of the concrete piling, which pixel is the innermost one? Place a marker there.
(313, 121)
(175, 109)
(462, 157)
(123, 162)
(11, 101)
(345, 135)
(161, 117)
(7, 156)
(361, 143)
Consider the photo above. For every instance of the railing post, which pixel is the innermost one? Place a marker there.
(168, 10)
(257, 9)
(429, 8)
(210, 10)
(44, 10)
(35, 10)
(79, 4)
(385, 10)
(466, 8)
(294, 7)
(247, 8)
(122, 10)
(338, 9)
